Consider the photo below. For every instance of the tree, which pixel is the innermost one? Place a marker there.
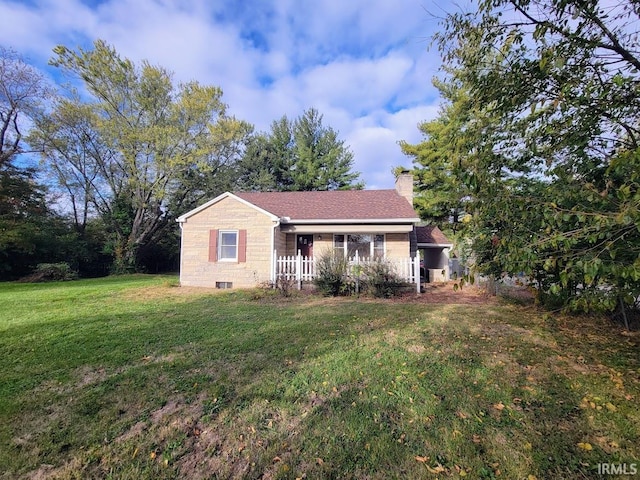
(22, 90)
(298, 156)
(137, 148)
(557, 197)
(440, 159)
(30, 233)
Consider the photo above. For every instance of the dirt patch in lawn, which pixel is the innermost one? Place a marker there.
(169, 291)
(444, 293)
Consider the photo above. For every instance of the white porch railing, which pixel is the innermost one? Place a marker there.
(303, 269)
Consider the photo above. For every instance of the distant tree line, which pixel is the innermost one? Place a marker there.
(123, 150)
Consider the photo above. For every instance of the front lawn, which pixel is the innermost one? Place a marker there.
(133, 377)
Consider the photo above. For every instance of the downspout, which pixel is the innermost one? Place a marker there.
(273, 251)
(181, 250)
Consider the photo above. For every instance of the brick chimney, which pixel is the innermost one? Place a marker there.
(404, 185)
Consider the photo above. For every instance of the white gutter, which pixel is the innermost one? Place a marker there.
(444, 245)
(181, 251)
(342, 221)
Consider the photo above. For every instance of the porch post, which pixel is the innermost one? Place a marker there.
(299, 269)
(274, 268)
(416, 271)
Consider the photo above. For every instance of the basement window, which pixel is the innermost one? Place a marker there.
(224, 284)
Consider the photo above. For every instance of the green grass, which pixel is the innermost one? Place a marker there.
(131, 377)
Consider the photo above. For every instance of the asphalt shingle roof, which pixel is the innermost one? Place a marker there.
(333, 205)
(431, 234)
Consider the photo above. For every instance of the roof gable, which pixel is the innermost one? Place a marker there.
(183, 218)
(334, 205)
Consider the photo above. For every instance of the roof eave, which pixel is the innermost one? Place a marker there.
(426, 244)
(344, 221)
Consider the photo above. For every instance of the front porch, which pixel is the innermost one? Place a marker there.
(300, 268)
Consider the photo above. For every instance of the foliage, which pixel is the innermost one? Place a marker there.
(30, 232)
(130, 377)
(22, 91)
(301, 155)
(553, 165)
(331, 273)
(284, 285)
(380, 279)
(439, 160)
(137, 150)
(52, 272)
(336, 276)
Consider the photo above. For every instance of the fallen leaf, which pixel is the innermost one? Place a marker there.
(532, 477)
(611, 407)
(319, 461)
(421, 459)
(438, 469)
(276, 459)
(585, 446)
(499, 406)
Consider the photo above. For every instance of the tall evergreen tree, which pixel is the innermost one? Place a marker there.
(441, 158)
(297, 156)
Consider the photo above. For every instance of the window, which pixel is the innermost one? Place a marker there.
(224, 284)
(228, 245)
(378, 246)
(365, 245)
(360, 245)
(338, 244)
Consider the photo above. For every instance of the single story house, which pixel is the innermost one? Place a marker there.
(235, 239)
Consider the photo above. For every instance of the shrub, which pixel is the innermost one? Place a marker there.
(51, 272)
(331, 274)
(380, 279)
(285, 285)
(334, 276)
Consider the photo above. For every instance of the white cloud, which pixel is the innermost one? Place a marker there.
(363, 64)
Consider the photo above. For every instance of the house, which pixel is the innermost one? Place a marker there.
(235, 239)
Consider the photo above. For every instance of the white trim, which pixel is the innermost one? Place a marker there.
(346, 228)
(341, 221)
(372, 248)
(272, 275)
(434, 245)
(237, 245)
(181, 252)
(183, 218)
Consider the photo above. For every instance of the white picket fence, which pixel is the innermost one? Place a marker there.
(303, 269)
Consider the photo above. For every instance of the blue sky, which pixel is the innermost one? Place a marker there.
(364, 64)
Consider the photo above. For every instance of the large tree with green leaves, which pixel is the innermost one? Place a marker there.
(138, 150)
(30, 232)
(23, 90)
(556, 196)
(298, 155)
